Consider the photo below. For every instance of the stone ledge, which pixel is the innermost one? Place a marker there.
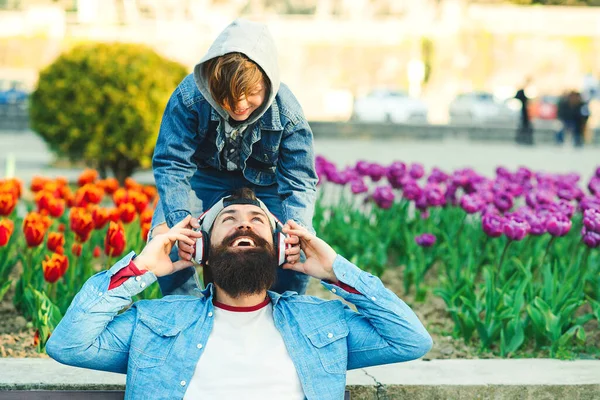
(437, 379)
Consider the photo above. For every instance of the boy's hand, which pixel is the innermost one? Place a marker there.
(292, 253)
(155, 256)
(185, 250)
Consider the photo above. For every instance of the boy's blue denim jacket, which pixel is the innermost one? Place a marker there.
(158, 342)
(278, 148)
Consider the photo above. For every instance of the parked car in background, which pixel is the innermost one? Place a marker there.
(544, 108)
(14, 99)
(481, 108)
(390, 106)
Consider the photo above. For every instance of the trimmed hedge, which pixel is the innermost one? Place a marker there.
(102, 104)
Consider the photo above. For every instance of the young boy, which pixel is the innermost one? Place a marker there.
(232, 124)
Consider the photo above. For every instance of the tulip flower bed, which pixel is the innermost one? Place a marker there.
(515, 258)
(68, 234)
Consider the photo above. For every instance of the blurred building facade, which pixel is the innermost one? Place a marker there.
(331, 51)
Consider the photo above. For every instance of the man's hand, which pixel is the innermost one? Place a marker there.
(319, 255)
(155, 256)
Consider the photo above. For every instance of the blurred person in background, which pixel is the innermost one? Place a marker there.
(567, 124)
(232, 124)
(581, 114)
(525, 130)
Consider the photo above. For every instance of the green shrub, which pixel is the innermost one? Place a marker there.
(102, 104)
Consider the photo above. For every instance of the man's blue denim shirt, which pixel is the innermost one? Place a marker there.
(158, 343)
(277, 149)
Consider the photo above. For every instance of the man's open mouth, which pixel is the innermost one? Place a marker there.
(243, 242)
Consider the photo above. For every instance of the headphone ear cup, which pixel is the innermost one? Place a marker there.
(201, 249)
(280, 247)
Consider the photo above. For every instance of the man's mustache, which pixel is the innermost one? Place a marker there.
(258, 241)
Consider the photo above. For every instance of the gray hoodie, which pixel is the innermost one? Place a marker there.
(254, 40)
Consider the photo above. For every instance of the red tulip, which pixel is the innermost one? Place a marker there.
(140, 201)
(146, 217)
(55, 267)
(114, 215)
(35, 226)
(149, 191)
(48, 203)
(88, 194)
(127, 212)
(37, 183)
(13, 186)
(87, 176)
(120, 196)
(76, 249)
(7, 228)
(100, 216)
(146, 230)
(110, 185)
(81, 223)
(97, 252)
(131, 184)
(55, 240)
(61, 227)
(115, 240)
(8, 202)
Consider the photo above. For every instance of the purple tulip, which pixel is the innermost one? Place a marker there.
(411, 191)
(471, 203)
(598, 172)
(503, 201)
(358, 186)
(450, 194)
(594, 186)
(537, 223)
(416, 171)
(492, 224)
(591, 239)
(437, 176)
(421, 202)
(503, 172)
(558, 224)
(435, 195)
(591, 220)
(362, 167)
(565, 207)
(516, 228)
(394, 173)
(588, 202)
(376, 172)
(384, 196)
(425, 240)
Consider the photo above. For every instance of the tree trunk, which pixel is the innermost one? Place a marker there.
(123, 169)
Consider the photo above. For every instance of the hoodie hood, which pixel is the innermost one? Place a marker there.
(254, 40)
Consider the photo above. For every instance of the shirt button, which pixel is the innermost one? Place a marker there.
(333, 291)
(330, 335)
(100, 294)
(182, 383)
(199, 345)
(143, 284)
(373, 298)
(138, 278)
(210, 314)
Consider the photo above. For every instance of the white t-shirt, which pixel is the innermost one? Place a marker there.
(245, 358)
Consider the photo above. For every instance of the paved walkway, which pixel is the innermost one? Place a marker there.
(33, 158)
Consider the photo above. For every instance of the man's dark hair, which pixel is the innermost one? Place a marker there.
(244, 193)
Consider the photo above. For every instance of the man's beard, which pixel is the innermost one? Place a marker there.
(243, 272)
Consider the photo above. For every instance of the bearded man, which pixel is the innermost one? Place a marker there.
(236, 339)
